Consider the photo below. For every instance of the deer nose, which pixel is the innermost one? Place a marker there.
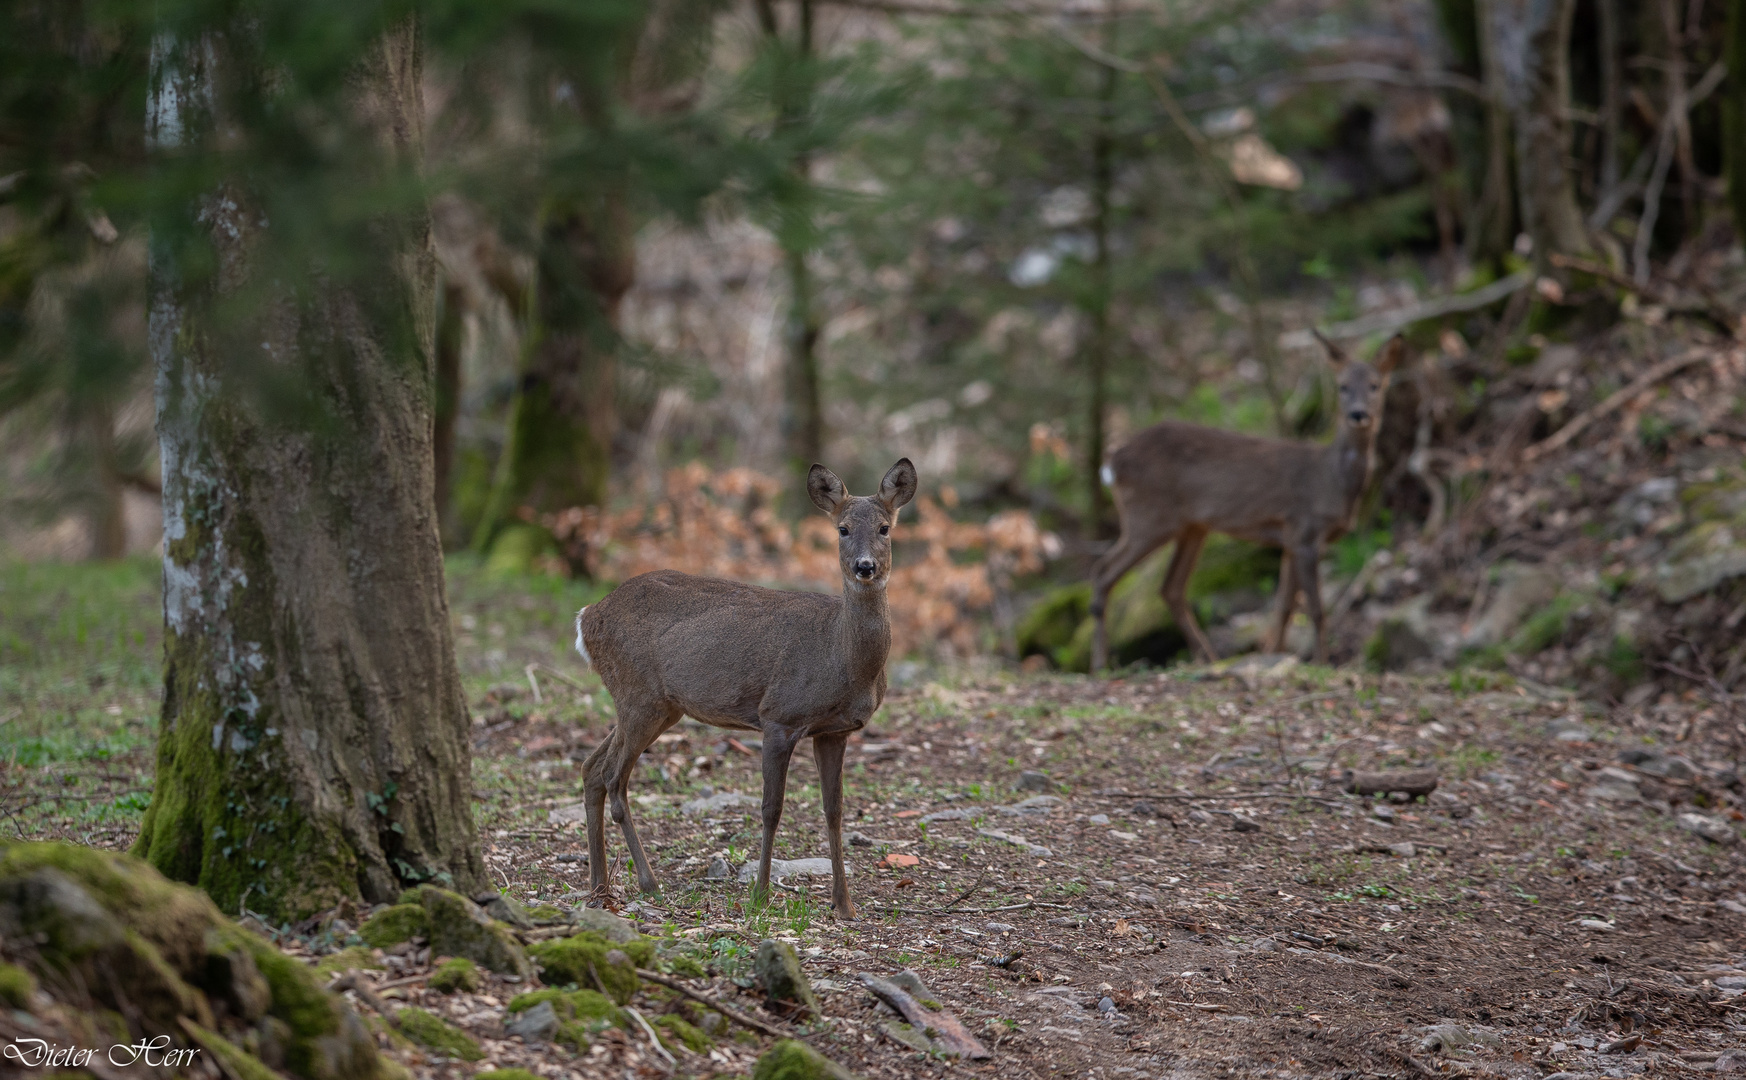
(1359, 416)
(864, 567)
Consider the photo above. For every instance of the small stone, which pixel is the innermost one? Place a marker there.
(1000, 927)
(1240, 823)
(1732, 905)
(1106, 1005)
(718, 870)
(504, 909)
(1143, 809)
(1712, 829)
(1383, 811)
(459, 973)
(911, 983)
(392, 925)
(1032, 780)
(459, 927)
(535, 1025)
(777, 967)
(1732, 982)
(1405, 850)
(1125, 837)
(1100, 819)
(715, 804)
(1200, 817)
(1731, 1061)
(952, 814)
(859, 839)
(1445, 1037)
(786, 868)
(1599, 926)
(1038, 802)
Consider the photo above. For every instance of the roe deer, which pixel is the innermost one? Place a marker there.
(1179, 482)
(787, 664)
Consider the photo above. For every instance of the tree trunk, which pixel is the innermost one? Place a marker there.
(1492, 229)
(1734, 115)
(313, 739)
(1098, 346)
(1530, 44)
(451, 327)
(108, 516)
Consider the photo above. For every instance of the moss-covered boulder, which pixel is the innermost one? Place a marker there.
(792, 1059)
(778, 969)
(459, 927)
(392, 925)
(113, 941)
(355, 958)
(1050, 623)
(606, 924)
(590, 961)
(505, 1074)
(675, 1031)
(458, 973)
(438, 1035)
(571, 1004)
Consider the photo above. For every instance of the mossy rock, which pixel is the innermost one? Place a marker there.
(1050, 623)
(517, 547)
(459, 973)
(778, 970)
(674, 1028)
(16, 986)
(354, 958)
(505, 1074)
(116, 935)
(571, 1004)
(434, 1033)
(546, 915)
(792, 1059)
(680, 964)
(606, 924)
(588, 960)
(392, 925)
(459, 927)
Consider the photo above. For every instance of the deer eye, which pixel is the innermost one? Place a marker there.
(842, 530)
(884, 530)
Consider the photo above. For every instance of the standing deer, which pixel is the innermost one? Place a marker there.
(1179, 482)
(786, 664)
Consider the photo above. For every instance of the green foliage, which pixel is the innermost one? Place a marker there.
(1050, 623)
(434, 1033)
(674, 1028)
(16, 986)
(1546, 627)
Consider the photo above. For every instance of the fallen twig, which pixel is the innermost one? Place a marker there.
(654, 1040)
(1726, 319)
(1387, 321)
(719, 1006)
(1614, 402)
(350, 981)
(974, 910)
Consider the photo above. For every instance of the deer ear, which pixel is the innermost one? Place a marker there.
(898, 487)
(826, 490)
(1336, 355)
(1391, 354)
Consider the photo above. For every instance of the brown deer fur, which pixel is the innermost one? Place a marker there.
(786, 664)
(1179, 482)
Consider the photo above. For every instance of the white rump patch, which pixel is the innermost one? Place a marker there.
(1107, 475)
(581, 649)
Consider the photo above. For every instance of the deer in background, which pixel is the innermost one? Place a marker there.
(786, 664)
(1179, 482)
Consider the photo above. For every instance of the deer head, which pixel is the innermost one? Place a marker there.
(863, 522)
(1362, 386)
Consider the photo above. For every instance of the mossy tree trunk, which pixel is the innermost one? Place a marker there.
(312, 745)
(1530, 44)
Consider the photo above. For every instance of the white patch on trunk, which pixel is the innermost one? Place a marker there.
(1107, 475)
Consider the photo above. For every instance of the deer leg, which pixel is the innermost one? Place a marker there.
(778, 748)
(1282, 607)
(1126, 554)
(1307, 557)
(827, 751)
(595, 772)
(626, 764)
(1175, 590)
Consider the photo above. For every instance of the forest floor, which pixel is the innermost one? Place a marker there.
(1202, 901)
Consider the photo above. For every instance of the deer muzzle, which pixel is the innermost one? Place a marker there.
(865, 568)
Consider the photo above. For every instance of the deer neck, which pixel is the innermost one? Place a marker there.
(1352, 452)
(863, 632)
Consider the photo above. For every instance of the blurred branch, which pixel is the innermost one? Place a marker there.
(1385, 321)
(1614, 402)
(1726, 318)
(1673, 121)
(1357, 71)
(999, 11)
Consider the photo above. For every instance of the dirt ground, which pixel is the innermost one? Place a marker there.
(1202, 900)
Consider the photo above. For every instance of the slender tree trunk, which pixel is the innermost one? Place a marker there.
(1097, 352)
(1673, 71)
(1493, 229)
(804, 422)
(451, 327)
(313, 741)
(108, 517)
(1734, 114)
(1612, 94)
(1530, 42)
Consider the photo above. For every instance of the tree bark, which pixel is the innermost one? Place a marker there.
(451, 328)
(1098, 346)
(1734, 114)
(1530, 44)
(313, 738)
(1492, 229)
